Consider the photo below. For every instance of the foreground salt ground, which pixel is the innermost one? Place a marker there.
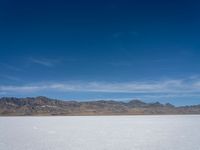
(100, 133)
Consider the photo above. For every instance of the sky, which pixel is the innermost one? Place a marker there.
(91, 50)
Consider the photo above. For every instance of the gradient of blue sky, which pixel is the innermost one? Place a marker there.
(101, 49)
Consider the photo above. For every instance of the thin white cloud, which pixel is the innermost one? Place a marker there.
(44, 61)
(13, 78)
(173, 87)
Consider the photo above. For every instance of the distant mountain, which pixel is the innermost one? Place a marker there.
(10, 106)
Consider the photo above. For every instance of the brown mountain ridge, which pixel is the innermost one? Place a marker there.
(36, 106)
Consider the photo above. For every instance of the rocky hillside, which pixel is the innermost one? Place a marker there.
(44, 106)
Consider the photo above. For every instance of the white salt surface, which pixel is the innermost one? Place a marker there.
(100, 133)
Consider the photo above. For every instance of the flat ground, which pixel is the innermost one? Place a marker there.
(101, 133)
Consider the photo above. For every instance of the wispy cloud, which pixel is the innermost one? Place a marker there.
(166, 87)
(8, 77)
(44, 61)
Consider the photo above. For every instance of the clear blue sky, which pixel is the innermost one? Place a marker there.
(86, 50)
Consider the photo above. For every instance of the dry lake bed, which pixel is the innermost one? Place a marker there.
(167, 132)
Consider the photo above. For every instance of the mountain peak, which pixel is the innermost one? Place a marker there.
(45, 106)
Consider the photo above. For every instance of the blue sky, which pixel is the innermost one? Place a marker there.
(86, 50)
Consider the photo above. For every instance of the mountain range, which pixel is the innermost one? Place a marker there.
(43, 106)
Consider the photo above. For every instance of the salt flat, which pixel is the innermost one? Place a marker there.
(101, 133)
